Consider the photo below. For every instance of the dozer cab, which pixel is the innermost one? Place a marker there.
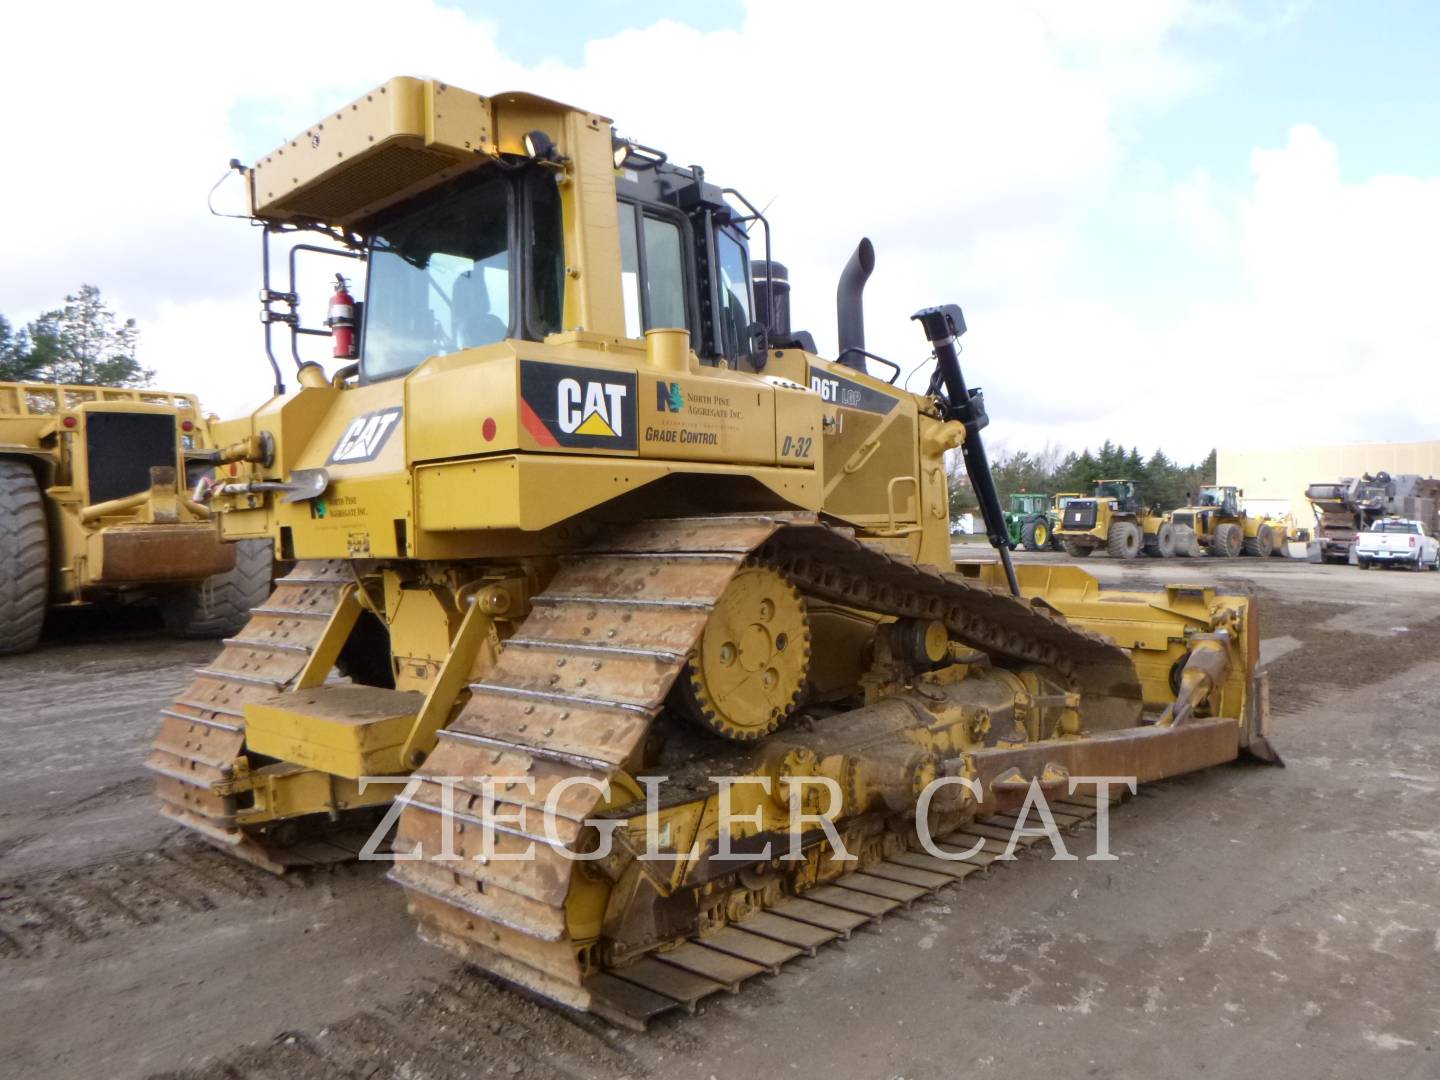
(94, 506)
(643, 611)
(1030, 522)
(1112, 517)
(1217, 525)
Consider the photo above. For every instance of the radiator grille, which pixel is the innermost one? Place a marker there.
(121, 447)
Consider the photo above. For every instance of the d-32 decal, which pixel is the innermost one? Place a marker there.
(838, 390)
(563, 405)
(366, 436)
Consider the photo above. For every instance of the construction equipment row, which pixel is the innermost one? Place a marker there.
(1114, 519)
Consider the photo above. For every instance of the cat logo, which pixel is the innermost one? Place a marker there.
(592, 408)
(564, 405)
(365, 437)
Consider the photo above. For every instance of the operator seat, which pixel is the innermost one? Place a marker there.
(474, 322)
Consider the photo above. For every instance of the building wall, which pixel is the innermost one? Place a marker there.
(1274, 481)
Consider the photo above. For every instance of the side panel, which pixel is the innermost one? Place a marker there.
(871, 454)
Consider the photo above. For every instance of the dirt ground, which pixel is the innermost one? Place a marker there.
(1259, 922)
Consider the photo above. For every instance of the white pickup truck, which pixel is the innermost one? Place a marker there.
(1399, 542)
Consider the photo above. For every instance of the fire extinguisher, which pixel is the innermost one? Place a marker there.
(341, 320)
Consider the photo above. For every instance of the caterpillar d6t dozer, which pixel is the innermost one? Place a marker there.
(646, 610)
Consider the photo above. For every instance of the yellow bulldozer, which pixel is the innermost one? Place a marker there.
(1113, 517)
(644, 611)
(94, 506)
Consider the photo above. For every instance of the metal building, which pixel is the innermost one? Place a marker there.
(1274, 481)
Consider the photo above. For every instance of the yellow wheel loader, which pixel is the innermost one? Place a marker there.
(1217, 525)
(642, 611)
(1112, 517)
(94, 507)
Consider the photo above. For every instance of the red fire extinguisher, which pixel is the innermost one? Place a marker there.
(341, 320)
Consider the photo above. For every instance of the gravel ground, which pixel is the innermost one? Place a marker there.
(1275, 922)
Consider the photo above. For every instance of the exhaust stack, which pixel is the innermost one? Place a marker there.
(850, 304)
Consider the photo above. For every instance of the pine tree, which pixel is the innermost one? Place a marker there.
(17, 359)
(85, 343)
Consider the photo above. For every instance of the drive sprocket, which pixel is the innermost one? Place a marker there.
(749, 667)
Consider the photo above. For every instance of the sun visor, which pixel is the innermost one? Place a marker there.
(394, 142)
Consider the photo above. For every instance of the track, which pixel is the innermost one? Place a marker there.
(721, 961)
(574, 695)
(202, 732)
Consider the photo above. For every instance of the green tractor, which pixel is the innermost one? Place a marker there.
(1030, 521)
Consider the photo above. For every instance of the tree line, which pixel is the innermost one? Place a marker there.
(82, 342)
(1160, 481)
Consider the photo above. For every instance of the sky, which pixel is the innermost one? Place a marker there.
(1170, 223)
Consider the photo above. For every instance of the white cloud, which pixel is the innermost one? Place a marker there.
(969, 140)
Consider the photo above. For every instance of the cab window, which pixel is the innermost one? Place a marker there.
(439, 280)
(546, 303)
(734, 316)
(652, 272)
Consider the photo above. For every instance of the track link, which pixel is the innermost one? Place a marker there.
(601, 648)
(721, 961)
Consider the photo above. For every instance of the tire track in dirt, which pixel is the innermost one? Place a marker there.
(1330, 656)
(46, 914)
(464, 1027)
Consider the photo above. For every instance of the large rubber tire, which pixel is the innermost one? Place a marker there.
(1056, 544)
(24, 558)
(1035, 534)
(1261, 544)
(1226, 541)
(1123, 540)
(1076, 551)
(1161, 543)
(1363, 564)
(219, 606)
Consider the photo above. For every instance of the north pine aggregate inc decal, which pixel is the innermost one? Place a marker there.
(581, 407)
